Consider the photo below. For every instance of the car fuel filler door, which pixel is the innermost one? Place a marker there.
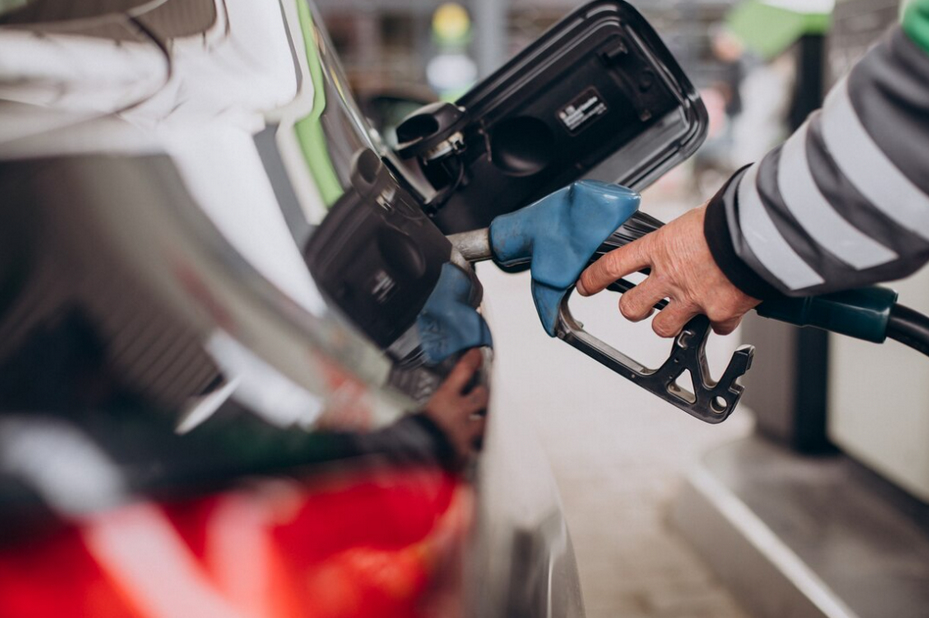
(597, 96)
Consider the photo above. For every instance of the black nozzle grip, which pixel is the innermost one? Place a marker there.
(862, 314)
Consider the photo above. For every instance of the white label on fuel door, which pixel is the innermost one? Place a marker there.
(582, 111)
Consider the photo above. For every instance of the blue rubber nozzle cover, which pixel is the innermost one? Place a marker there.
(448, 323)
(558, 235)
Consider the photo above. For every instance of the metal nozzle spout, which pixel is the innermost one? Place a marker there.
(474, 246)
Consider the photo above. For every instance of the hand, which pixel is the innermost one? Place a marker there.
(682, 270)
(458, 414)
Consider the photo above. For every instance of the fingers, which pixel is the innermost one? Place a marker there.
(612, 266)
(452, 408)
(476, 401)
(639, 302)
(464, 371)
(477, 428)
(461, 417)
(670, 320)
(682, 269)
(466, 427)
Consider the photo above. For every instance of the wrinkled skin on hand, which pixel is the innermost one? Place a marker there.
(682, 270)
(459, 414)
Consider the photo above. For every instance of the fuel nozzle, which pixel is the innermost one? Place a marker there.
(565, 231)
(559, 236)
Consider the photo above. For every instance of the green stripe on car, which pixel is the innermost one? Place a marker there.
(309, 130)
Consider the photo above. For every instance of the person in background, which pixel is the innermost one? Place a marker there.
(842, 204)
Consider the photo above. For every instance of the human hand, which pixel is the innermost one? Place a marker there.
(461, 416)
(682, 270)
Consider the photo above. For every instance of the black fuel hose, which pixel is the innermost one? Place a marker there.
(909, 327)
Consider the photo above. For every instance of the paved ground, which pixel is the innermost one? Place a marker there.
(618, 455)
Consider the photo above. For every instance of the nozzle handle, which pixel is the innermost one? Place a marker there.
(862, 314)
(709, 400)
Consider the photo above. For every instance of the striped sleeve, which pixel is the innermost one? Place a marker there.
(845, 201)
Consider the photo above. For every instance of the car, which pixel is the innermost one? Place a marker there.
(219, 336)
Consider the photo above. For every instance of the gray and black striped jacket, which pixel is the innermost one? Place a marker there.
(845, 201)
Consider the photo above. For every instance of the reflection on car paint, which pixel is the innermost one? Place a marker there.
(379, 542)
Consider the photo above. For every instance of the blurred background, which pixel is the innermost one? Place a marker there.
(812, 499)
(400, 53)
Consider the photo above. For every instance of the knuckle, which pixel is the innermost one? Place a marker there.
(716, 315)
(719, 311)
(612, 262)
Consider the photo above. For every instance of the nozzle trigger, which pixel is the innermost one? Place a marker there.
(710, 401)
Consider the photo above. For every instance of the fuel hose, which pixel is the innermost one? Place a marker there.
(909, 327)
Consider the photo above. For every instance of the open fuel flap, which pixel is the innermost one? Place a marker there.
(597, 96)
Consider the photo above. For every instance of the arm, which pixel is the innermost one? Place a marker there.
(843, 203)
